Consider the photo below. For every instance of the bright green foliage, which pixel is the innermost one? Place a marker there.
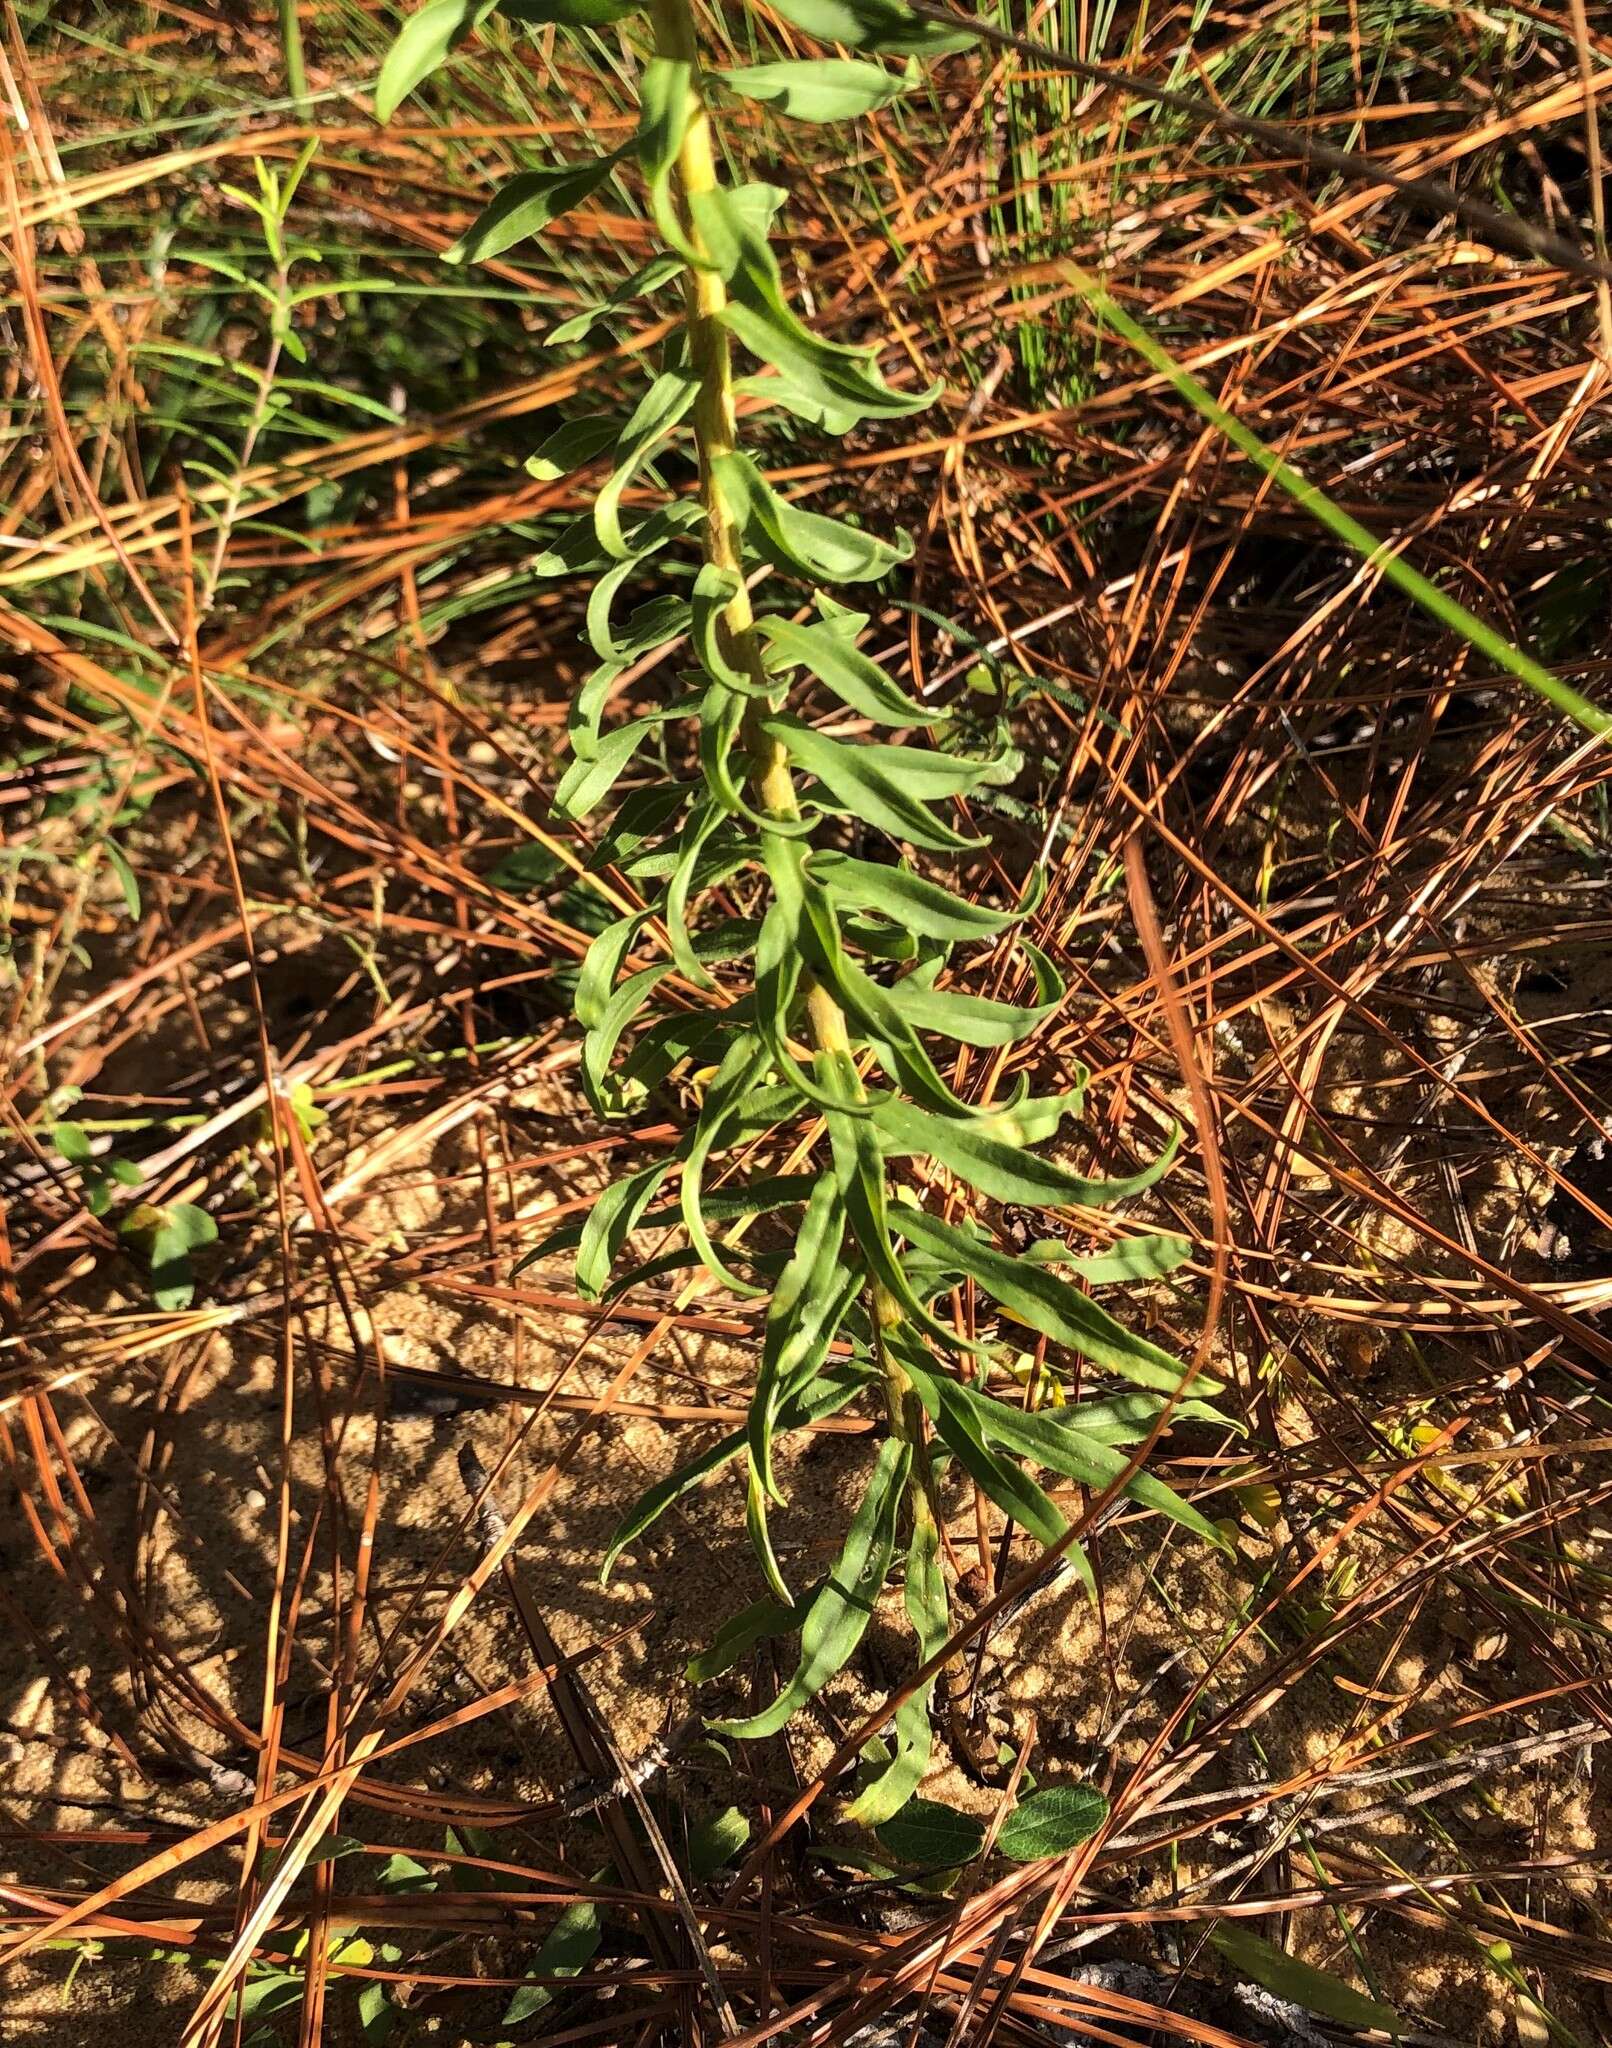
(802, 908)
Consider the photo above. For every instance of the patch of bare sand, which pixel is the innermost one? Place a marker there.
(181, 1461)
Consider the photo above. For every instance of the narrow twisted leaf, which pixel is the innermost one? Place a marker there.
(925, 1599)
(1045, 1303)
(809, 1404)
(977, 1020)
(906, 899)
(836, 661)
(1061, 1446)
(838, 1617)
(806, 542)
(798, 1327)
(990, 1156)
(877, 784)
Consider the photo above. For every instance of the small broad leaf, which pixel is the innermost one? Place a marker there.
(931, 1836)
(526, 204)
(167, 1237)
(73, 1143)
(823, 550)
(1300, 1983)
(567, 1949)
(529, 866)
(873, 25)
(1052, 1821)
(423, 43)
(838, 1617)
(400, 1873)
(716, 1842)
(572, 445)
(377, 2015)
(827, 89)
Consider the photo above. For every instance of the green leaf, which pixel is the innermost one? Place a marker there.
(742, 1065)
(645, 814)
(566, 1950)
(657, 413)
(808, 1404)
(839, 1615)
(854, 679)
(570, 13)
(126, 878)
(865, 783)
(377, 2015)
(599, 1045)
(73, 1143)
(167, 1237)
(758, 1622)
(400, 1873)
(526, 204)
(845, 381)
(665, 101)
(1316, 1990)
(988, 1152)
(1045, 1303)
(528, 866)
(928, 1835)
(650, 277)
(1051, 1822)
(798, 1331)
(908, 900)
(826, 89)
(822, 550)
(587, 782)
(977, 1020)
(611, 1221)
(873, 25)
(925, 1597)
(957, 1424)
(860, 1165)
(572, 445)
(1046, 1438)
(422, 44)
(716, 1842)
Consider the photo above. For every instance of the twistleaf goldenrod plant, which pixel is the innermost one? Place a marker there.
(820, 1014)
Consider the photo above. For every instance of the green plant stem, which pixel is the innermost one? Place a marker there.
(1376, 554)
(296, 71)
(715, 433)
